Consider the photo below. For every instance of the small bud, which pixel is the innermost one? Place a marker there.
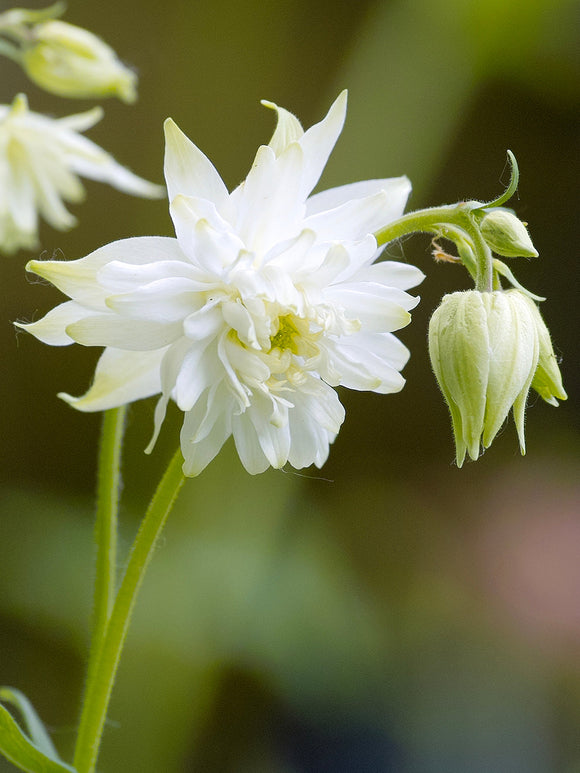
(506, 234)
(484, 352)
(547, 379)
(72, 62)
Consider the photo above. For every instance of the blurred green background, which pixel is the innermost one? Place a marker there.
(390, 612)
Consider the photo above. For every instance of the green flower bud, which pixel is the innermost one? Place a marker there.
(72, 62)
(506, 234)
(547, 379)
(484, 351)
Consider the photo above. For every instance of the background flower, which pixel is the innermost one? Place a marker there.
(41, 160)
(264, 301)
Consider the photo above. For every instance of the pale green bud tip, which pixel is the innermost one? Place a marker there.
(506, 234)
(72, 62)
(547, 380)
(484, 351)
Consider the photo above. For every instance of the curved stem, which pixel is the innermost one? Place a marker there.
(430, 220)
(100, 686)
(455, 223)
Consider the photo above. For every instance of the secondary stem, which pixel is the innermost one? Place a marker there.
(100, 686)
(431, 220)
(455, 223)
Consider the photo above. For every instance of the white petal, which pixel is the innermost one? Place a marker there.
(204, 236)
(166, 300)
(314, 422)
(396, 188)
(204, 324)
(131, 334)
(355, 365)
(379, 308)
(351, 221)
(390, 273)
(51, 329)
(80, 122)
(199, 451)
(118, 277)
(318, 142)
(86, 158)
(169, 371)
(21, 197)
(188, 171)
(120, 377)
(292, 254)
(288, 129)
(269, 203)
(199, 370)
(248, 446)
(78, 278)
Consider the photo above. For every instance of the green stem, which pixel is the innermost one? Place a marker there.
(452, 222)
(100, 684)
(484, 281)
(432, 220)
(109, 481)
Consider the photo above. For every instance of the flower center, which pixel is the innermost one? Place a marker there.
(285, 338)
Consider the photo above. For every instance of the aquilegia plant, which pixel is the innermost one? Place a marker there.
(266, 300)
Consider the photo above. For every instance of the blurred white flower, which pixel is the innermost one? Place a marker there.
(41, 159)
(266, 300)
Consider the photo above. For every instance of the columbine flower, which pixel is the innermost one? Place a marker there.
(41, 160)
(65, 59)
(265, 301)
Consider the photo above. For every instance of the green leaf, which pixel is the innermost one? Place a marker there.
(34, 756)
(31, 719)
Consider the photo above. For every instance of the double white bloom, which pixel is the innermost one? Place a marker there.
(266, 300)
(41, 159)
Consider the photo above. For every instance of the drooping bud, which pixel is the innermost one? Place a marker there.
(506, 234)
(484, 351)
(72, 62)
(547, 379)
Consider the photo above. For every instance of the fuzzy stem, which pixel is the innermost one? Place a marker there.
(100, 685)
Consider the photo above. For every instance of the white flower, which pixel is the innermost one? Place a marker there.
(266, 300)
(41, 159)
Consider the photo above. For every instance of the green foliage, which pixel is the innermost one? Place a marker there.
(35, 754)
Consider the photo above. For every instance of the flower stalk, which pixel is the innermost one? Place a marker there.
(102, 676)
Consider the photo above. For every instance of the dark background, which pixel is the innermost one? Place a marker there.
(389, 612)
